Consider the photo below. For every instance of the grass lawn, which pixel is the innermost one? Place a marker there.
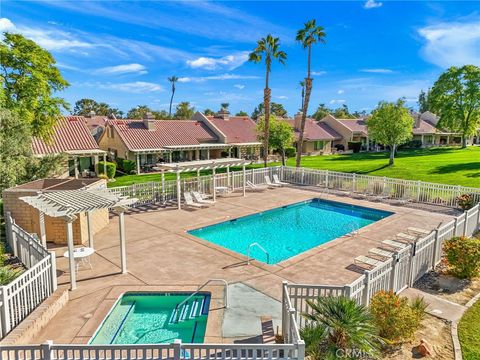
(439, 165)
(469, 333)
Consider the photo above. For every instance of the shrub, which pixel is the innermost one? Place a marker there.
(8, 274)
(290, 151)
(413, 144)
(111, 168)
(339, 147)
(103, 176)
(128, 166)
(119, 162)
(463, 256)
(355, 146)
(396, 318)
(465, 201)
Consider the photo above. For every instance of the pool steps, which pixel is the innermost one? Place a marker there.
(189, 310)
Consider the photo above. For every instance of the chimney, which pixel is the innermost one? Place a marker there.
(298, 120)
(223, 113)
(91, 114)
(149, 121)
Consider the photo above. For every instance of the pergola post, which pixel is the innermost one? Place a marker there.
(214, 183)
(123, 246)
(71, 260)
(90, 229)
(75, 164)
(163, 185)
(179, 191)
(138, 163)
(105, 163)
(208, 154)
(244, 174)
(170, 157)
(198, 180)
(228, 176)
(43, 232)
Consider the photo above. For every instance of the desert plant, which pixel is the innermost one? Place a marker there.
(463, 256)
(111, 168)
(396, 318)
(465, 201)
(338, 325)
(8, 274)
(128, 166)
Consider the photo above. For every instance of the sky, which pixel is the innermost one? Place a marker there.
(121, 52)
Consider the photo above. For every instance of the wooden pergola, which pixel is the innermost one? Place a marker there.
(67, 204)
(190, 166)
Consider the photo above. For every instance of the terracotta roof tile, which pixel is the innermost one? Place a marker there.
(356, 125)
(315, 130)
(237, 129)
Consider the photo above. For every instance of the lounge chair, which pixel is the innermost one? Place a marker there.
(368, 261)
(189, 201)
(269, 182)
(418, 231)
(251, 186)
(276, 180)
(381, 252)
(395, 244)
(200, 199)
(402, 237)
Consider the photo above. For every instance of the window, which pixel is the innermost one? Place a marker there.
(318, 145)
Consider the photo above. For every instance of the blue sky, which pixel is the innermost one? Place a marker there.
(121, 52)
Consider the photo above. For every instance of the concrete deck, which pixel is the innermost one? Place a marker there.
(162, 256)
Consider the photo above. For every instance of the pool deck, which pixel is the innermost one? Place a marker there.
(161, 256)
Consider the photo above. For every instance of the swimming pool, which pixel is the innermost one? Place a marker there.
(150, 318)
(289, 230)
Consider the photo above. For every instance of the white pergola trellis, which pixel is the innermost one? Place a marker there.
(67, 204)
(197, 166)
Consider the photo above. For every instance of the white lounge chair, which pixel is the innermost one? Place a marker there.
(200, 199)
(269, 182)
(405, 237)
(380, 252)
(251, 186)
(418, 231)
(395, 244)
(276, 180)
(189, 201)
(368, 261)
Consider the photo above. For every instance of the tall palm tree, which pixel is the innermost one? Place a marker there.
(311, 34)
(268, 49)
(302, 85)
(337, 325)
(173, 79)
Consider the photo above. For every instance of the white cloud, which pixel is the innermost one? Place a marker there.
(454, 43)
(372, 4)
(340, 92)
(216, 77)
(377, 71)
(6, 25)
(229, 62)
(137, 87)
(318, 73)
(239, 86)
(282, 97)
(123, 69)
(337, 101)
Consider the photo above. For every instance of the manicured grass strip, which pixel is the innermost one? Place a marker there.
(469, 333)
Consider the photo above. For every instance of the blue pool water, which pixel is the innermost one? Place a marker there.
(152, 318)
(289, 230)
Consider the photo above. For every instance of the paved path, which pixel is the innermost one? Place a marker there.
(437, 306)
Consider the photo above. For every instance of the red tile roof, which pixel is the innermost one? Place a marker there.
(315, 130)
(166, 133)
(70, 135)
(425, 127)
(95, 121)
(355, 125)
(237, 129)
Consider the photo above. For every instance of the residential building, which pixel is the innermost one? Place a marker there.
(71, 137)
(350, 130)
(427, 131)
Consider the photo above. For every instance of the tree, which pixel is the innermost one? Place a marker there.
(342, 112)
(321, 112)
(280, 135)
(455, 97)
(184, 110)
(338, 325)
(423, 101)
(302, 85)
(276, 109)
(29, 81)
(390, 124)
(209, 112)
(173, 80)
(138, 112)
(268, 48)
(310, 35)
(241, 113)
(225, 105)
(84, 107)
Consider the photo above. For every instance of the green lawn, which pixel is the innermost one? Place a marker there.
(469, 333)
(440, 165)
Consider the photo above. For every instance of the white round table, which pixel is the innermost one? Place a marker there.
(81, 255)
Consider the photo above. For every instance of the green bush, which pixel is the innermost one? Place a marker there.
(290, 152)
(463, 256)
(7, 274)
(396, 318)
(128, 166)
(119, 162)
(412, 144)
(355, 146)
(111, 169)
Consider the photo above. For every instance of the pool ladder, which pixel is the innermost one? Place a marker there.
(255, 244)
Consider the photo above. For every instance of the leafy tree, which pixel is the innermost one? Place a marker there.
(84, 107)
(276, 109)
(359, 114)
(337, 325)
(310, 35)
(342, 113)
(268, 49)
(29, 81)
(455, 97)
(423, 101)
(184, 110)
(241, 113)
(172, 80)
(209, 112)
(280, 135)
(390, 124)
(225, 105)
(321, 112)
(138, 112)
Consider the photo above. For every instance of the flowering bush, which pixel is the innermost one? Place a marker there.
(463, 256)
(465, 201)
(396, 318)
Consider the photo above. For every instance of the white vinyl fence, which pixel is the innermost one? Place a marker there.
(21, 296)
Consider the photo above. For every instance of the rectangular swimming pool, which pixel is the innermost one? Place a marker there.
(153, 318)
(289, 230)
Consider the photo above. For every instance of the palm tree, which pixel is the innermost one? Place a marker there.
(302, 84)
(267, 49)
(173, 79)
(337, 325)
(308, 36)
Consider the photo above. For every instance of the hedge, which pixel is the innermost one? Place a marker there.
(111, 168)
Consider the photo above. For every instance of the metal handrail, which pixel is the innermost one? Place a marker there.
(225, 300)
(261, 248)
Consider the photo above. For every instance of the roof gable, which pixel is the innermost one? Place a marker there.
(315, 130)
(237, 129)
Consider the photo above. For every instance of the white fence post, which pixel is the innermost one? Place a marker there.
(53, 270)
(465, 225)
(436, 250)
(5, 312)
(46, 350)
(366, 290)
